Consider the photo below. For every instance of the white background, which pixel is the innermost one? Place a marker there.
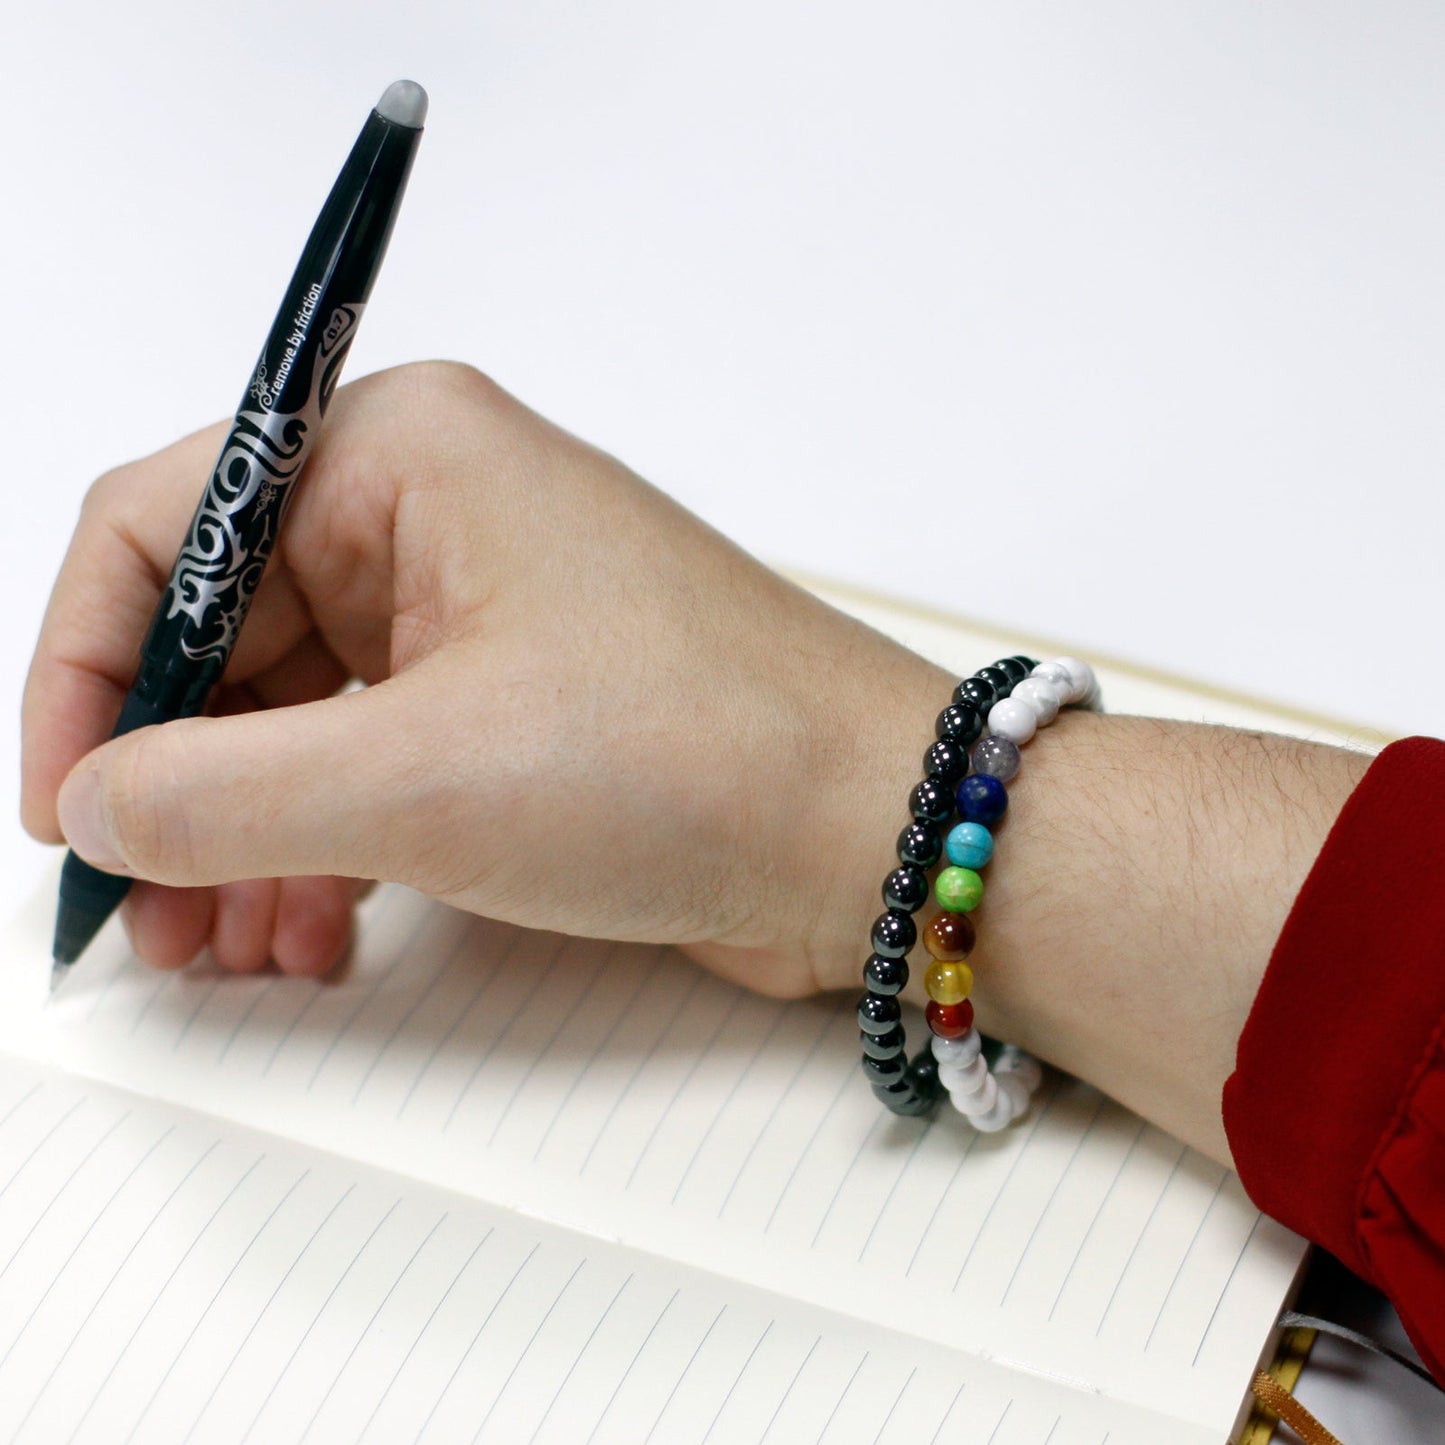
(1119, 323)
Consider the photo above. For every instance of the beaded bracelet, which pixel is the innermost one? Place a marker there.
(1018, 696)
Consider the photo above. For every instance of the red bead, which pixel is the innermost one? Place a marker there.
(949, 1020)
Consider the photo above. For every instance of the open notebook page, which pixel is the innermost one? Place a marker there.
(622, 1092)
(656, 1104)
(166, 1276)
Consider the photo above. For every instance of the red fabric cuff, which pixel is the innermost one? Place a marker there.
(1336, 1110)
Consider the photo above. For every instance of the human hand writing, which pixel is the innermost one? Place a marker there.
(584, 710)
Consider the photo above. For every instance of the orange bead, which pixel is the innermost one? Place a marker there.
(949, 937)
(948, 983)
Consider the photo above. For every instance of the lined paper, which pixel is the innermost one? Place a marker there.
(620, 1091)
(171, 1277)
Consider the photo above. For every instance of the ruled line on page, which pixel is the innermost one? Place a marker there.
(54, 1199)
(486, 1053)
(1139, 1239)
(1053, 1195)
(723, 1104)
(1224, 1289)
(211, 1303)
(156, 1298)
(1097, 1216)
(480, 1330)
(261, 1313)
(624, 1014)
(316, 1318)
(104, 1293)
(843, 1395)
(792, 1384)
(637, 1354)
(526, 1349)
(577, 1358)
(366, 1328)
(59, 1274)
(897, 1401)
(460, 1016)
(999, 1193)
(565, 1022)
(677, 1383)
(1184, 1258)
(782, 1095)
(641, 1064)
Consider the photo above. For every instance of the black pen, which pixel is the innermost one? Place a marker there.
(254, 481)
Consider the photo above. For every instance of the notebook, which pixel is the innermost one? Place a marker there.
(497, 1185)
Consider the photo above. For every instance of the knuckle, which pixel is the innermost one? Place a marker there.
(140, 794)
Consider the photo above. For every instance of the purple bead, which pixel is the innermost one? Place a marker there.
(982, 799)
(997, 756)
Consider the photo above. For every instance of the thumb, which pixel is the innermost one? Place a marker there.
(325, 787)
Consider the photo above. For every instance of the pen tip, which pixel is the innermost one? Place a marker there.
(404, 102)
(58, 970)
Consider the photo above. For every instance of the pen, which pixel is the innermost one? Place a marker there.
(234, 529)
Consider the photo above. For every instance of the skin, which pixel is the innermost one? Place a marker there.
(586, 711)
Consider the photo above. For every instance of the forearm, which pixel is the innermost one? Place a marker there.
(1139, 882)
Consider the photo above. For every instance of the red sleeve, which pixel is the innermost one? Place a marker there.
(1336, 1108)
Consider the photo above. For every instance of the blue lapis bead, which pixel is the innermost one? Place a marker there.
(969, 845)
(981, 799)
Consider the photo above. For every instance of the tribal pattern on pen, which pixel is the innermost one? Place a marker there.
(236, 523)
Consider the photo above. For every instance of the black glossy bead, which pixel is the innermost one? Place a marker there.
(1001, 682)
(906, 888)
(932, 801)
(977, 693)
(886, 976)
(923, 1075)
(917, 1107)
(894, 933)
(920, 844)
(899, 1096)
(884, 1071)
(1014, 666)
(1028, 662)
(878, 1015)
(959, 723)
(945, 760)
(882, 1046)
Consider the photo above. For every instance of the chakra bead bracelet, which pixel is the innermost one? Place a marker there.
(1012, 700)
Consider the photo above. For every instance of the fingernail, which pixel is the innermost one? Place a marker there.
(82, 823)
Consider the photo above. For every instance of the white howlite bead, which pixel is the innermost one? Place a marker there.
(1081, 677)
(999, 1117)
(1041, 695)
(954, 1052)
(967, 1079)
(980, 1102)
(1059, 676)
(1012, 1087)
(1019, 1065)
(1012, 719)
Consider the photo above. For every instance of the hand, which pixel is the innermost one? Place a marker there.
(584, 710)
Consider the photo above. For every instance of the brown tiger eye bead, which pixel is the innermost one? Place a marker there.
(949, 938)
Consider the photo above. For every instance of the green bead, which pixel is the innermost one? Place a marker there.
(960, 890)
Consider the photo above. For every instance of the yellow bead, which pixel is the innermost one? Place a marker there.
(948, 983)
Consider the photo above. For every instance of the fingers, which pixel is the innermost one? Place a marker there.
(339, 787)
(302, 925)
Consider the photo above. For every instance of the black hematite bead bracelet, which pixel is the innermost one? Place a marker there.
(910, 1086)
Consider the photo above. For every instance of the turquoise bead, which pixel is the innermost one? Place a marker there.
(969, 845)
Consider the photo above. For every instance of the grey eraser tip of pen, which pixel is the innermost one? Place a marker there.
(404, 102)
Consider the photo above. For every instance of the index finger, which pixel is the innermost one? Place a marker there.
(131, 524)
